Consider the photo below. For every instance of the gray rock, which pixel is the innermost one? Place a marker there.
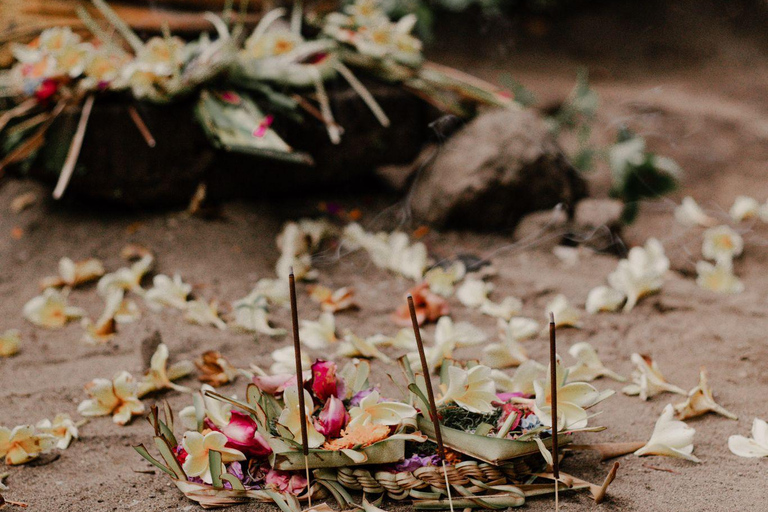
(501, 166)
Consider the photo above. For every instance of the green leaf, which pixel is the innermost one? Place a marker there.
(214, 463)
(144, 453)
(233, 481)
(166, 451)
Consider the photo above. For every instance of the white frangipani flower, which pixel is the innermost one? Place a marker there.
(604, 298)
(744, 208)
(105, 326)
(506, 354)
(689, 213)
(116, 398)
(218, 411)
(320, 334)
(588, 365)
(62, 428)
(200, 312)
(460, 334)
(197, 447)
(285, 361)
(126, 278)
(572, 400)
(473, 292)
(372, 411)
(519, 328)
(290, 418)
(442, 280)
(404, 339)
(276, 291)
(50, 310)
(159, 376)
(473, 389)
(167, 291)
(647, 380)
(565, 314)
(355, 346)
(701, 401)
(722, 244)
(391, 251)
(671, 438)
(505, 309)
(641, 274)
(23, 444)
(522, 380)
(9, 343)
(756, 446)
(718, 278)
(73, 274)
(251, 314)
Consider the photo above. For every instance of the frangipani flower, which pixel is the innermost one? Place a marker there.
(50, 310)
(689, 213)
(429, 307)
(441, 280)
(504, 355)
(23, 444)
(505, 309)
(648, 380)
(588, 366)
(472, 389)
(744, 208)
(604, 298)
(116, 397)
(201, 312)
(355, 346)
(671, 438)
(276, 291)
(518, 328)
(167, 291)
(459, 334)
(373, 412)
(74, 274)
(285, 361)
(243, 435)
(197, 447)
(701, 401)
(251, 315)
(217, 411)
(290, 418)
(756, 446)
(159, 375)
(215, 369)
(332, 301)
(473, 293)
(408, 260)
(641, 274)
(404, 339)
(320, 334)
(9, 343)
(126, 278)
(721, 244)
(718, 278)
(62, 428)
(106, 325)
(572, 400)
(565, 314)
(522, 380)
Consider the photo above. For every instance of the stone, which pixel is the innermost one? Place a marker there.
(597, 224)
(499, 167)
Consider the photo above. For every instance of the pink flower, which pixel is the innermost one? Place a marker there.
(324, 381)
(274, 384)
(242, 434)
(263, 126)
(332, 418)
(284, 481)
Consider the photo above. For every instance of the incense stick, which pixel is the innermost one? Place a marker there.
(74, 149)
(142, 126)
(300, 382)
(430, 396)
(553, 400)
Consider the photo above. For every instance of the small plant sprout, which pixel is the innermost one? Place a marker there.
(10, 341)
(756, 446)
(332, 301)
(588, 365)
(252, 315)
(473, 293)
(718, 277)
(701, 401)
(62, 428)
(689, 213)
(159, 376)
(641, 273)
(166, 291)
(472, 389)
(722, 244)
(670, 438)
(197, 446)
(320, 334)
(604, 298)
(23, 444)
(566, 315)
(372, 411)
(115, 397)
(647, 380)
(74, 274)
(441, 280)
(200, 312)
(50, 310)
(744, 208)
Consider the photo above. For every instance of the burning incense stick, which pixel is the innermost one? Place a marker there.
(141, 126)
(300, 382)
(553, 399)
(430, 396)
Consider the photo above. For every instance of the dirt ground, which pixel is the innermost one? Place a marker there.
(702, 103)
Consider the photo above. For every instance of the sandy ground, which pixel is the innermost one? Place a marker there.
(688, 106)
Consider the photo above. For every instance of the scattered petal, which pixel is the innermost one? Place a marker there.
(442, 280)
(519, 328)
(473, 293)
(689, 213)
(565, 314)
(116, 398)
(701, 401)
(718, 278)
(126, 278)
(429, 307)
(505, 309)
(251, 314)
(670, 437)
(332, 301)
(756, 446)
(641, 273)
(159, 376)
(201, 312)
(588, 365)
(285, 362)
(50, 310)
(355, 346)
(721, 244)
(604, 298)
(320, 334)
(23, 444)
(648, 380)
(215, 369)
(744, 208)
(9, 343)
(166, 291)
(74, 274)
(522, 380)
(62, 428)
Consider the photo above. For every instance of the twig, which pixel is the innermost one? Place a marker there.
(74, 149)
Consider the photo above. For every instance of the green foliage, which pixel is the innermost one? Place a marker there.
(522, 94)
(466, 421)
